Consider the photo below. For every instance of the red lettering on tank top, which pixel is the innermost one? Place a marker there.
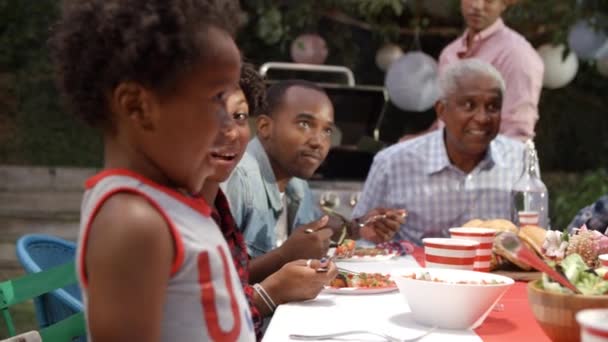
(208, 299)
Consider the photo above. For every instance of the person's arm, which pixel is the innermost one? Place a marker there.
(128, 260)
(374, 189)
(524, 76)
(373, 199)
(257, 308)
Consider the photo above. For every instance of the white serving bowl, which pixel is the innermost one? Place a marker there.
(446, 304)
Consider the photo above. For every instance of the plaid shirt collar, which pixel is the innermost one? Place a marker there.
(438, 159)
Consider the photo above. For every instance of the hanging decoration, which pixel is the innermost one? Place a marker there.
(387, 54)
(309, 48)
(411, 82)
(558, 71)
(585, 40)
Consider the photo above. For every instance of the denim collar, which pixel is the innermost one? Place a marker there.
(292, 190)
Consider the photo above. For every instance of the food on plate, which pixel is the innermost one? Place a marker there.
(362, 280)
(345, 249)
(348, 250)
(426, 276)
(360, 252)
(589, 244)
(555, 245)
(591, 282)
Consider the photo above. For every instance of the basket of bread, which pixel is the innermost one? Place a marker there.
(532, 236)
(551, 245)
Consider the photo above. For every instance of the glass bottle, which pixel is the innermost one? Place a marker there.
(530, 196)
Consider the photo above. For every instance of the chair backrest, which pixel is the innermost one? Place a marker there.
(38, 253)
(30, 286)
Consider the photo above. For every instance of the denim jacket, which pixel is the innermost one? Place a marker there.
(255, 200)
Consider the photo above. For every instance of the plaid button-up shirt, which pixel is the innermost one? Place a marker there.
(418, 176)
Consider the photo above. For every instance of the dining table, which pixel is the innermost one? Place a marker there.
(388, 313)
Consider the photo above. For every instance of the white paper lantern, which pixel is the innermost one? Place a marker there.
(411, 82)
(309, 48)
(585, 40)
(387, 54)
(602, 66)
(558, 72)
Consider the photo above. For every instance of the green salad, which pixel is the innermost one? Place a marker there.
(589, 281)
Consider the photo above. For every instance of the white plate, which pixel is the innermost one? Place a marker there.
(358, 290)
(368, 258)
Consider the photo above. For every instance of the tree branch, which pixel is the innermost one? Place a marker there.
(344, 18)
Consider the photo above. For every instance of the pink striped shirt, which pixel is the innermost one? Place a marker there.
(520, 66)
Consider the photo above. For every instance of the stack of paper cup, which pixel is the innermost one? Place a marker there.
(450, 253)
(485, 237)
(594, 325)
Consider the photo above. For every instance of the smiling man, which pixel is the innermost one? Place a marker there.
(449, 176)
(489, 39)
(268, 193)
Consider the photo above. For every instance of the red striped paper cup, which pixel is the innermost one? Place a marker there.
(450, 253)
(528, 218)
(594, 325)
(603, 260)
(485, 237)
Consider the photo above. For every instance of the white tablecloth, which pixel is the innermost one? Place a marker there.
(387, 313)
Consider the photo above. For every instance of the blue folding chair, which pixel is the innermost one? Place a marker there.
(38, 253)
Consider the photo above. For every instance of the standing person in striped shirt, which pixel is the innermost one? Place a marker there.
(463, 171)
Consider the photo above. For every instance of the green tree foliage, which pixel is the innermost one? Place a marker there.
(34, 128)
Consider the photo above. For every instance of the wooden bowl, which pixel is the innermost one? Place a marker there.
(555, 312)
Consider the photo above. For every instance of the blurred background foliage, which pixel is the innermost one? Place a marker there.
(571, 135)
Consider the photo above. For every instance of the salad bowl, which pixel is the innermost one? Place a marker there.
(556, 312)
(555, 308)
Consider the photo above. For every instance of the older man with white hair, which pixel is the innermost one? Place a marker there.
(463, 171)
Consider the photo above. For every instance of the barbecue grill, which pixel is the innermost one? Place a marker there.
(359, 111)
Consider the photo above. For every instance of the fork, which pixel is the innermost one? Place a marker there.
(388, 338)
(344, 270)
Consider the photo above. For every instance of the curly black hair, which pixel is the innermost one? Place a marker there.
(98, 44)
(252, 85)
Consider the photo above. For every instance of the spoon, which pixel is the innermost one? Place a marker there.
(511, 243)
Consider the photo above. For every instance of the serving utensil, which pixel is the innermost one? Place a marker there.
(513, 245)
